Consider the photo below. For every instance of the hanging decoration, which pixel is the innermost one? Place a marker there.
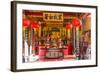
(26, 23)
(76, 22)
(35, 25)
(68, 27)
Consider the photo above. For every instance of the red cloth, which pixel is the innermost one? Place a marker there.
(65, 50)
(70, 49)
(42, 52)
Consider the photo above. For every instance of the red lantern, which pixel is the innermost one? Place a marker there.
(35, 25)
(68, 26)
(76, 22)
(26, 22)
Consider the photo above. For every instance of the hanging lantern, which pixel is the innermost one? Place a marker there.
(68, 26)
(26, 23)
(35, 25)
(76, 22)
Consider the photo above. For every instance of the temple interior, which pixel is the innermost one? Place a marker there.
(52, 35)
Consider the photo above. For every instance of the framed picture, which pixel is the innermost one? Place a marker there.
(47, 36)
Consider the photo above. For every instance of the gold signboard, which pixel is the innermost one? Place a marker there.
(52, 16)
